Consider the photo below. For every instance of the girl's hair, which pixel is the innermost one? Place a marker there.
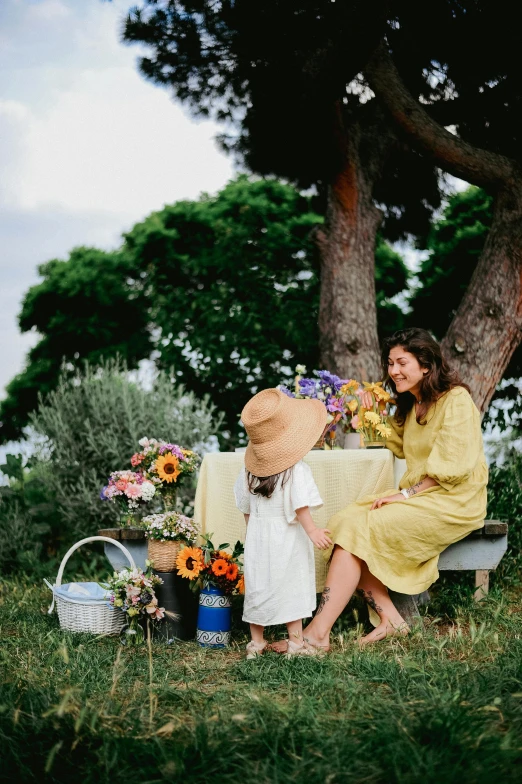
(439, 379)
(265, 485)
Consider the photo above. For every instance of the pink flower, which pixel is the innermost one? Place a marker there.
(133, 491)
(136, 459)
(121, 484)
(355, 422)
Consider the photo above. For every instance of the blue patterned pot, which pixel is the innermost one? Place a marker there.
(214, 618)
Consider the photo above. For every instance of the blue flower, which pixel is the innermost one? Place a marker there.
(285, 391)
(102, 493)
(330, 380)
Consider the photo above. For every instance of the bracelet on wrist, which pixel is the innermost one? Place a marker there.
(405, 493)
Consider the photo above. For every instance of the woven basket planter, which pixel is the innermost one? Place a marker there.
(163, 555)
(94, 617)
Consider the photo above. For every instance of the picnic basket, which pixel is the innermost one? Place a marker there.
(89, 614)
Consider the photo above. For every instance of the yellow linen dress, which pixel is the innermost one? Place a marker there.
(401, 541)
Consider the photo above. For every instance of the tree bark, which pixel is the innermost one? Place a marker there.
(487, 327)
(349, 345)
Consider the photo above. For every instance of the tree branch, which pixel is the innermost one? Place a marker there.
(451, 153)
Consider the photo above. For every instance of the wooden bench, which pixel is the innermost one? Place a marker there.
(480, 552)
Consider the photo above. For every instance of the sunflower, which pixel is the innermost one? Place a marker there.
(224, 554)
(241, 584)
(190, 562)
(220, 567)
(167, 466)
(232, 572)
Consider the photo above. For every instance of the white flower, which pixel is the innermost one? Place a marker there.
(147, 491)
(300, 370)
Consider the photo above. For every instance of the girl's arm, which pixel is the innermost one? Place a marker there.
(319, 536)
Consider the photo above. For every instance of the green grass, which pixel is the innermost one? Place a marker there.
(444, 705)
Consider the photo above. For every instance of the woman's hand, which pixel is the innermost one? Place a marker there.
(320, 538)
(389, 499)
(367, 400)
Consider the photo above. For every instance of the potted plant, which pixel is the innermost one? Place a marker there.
(218, 574)
(167, 533)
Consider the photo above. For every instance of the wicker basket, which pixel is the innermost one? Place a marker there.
(93, 616)
(163, 554)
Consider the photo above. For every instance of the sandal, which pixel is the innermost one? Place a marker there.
(313, 649)
(255, 649)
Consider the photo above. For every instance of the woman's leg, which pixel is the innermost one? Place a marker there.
(343, 577)
(376, 595)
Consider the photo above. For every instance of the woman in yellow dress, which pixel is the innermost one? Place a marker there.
(394, 541)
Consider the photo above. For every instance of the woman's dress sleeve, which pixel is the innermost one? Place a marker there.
(300, 490)
(241, 493)
(394, 442)
(458, 444)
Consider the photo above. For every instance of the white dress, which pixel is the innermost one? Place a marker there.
(279, 563)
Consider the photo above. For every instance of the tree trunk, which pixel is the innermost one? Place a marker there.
(487, 327)
(348, 340)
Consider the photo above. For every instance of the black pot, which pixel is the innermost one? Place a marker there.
(177, 598)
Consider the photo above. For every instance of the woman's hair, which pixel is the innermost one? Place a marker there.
(439, 379)
(265, 485)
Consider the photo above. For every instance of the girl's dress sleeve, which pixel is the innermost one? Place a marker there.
(458, 444)
(241, 493)
(300, 490)
(394, 442)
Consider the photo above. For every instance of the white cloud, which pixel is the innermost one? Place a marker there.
(88, 146)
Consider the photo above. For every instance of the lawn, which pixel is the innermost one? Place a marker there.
(444, 704)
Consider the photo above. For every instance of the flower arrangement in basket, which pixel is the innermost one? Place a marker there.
(130, 489)
(167, 533)
(165, 465)
(132, 591)
(208, 565)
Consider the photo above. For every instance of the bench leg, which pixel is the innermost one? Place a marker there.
(481, 584)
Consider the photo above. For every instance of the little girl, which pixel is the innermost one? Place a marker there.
(276, 491)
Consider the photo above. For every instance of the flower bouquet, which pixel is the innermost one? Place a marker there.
(133, 592)
(326, 387)
(210, 566)
(372, 423)
(165, 465)
(130, 489)
(167, 533)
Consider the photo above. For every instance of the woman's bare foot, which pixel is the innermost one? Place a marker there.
(385, 629)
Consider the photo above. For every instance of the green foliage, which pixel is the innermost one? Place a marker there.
(505, 503)
(234, 289)
(443, 703)
(89, 426)
(84, 308)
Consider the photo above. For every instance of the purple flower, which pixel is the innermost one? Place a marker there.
(102, 493)
(307, 387)
(334, 405)
(330, 380)
(285, 391)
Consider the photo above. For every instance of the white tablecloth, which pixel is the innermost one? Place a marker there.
(342, 476)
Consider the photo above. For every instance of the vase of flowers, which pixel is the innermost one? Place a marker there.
(166, 465)
(217, 573)
(372, 423)
(167, 533)
(132, 591)
(130, 490)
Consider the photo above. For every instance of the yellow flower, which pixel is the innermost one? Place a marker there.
(241, 584)
(384, 430)
(351, 387)
(225, 555)
(167, 467)
(376, 389)
(372, 418)
(190, 562)
(131, 612)
(353, 405)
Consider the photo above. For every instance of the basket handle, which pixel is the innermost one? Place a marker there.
(92, 539)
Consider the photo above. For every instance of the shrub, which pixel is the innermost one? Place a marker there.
(505, 503)
(87, 428)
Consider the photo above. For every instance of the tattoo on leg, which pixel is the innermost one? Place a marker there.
(368, 598)
(322, 601)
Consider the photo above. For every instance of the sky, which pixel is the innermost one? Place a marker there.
(87, 145)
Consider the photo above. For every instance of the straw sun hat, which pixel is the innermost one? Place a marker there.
(281, 430)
